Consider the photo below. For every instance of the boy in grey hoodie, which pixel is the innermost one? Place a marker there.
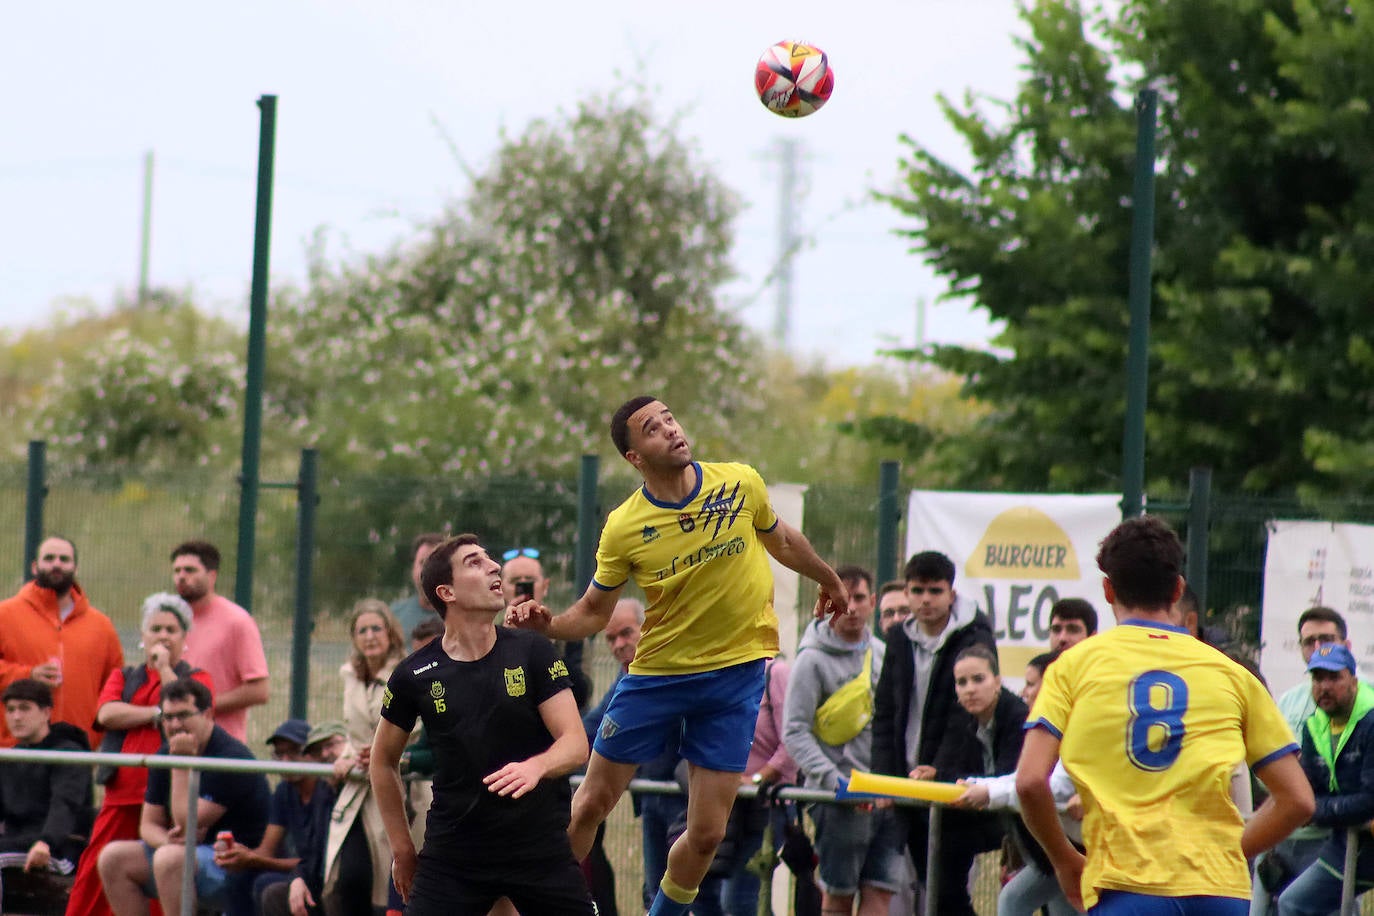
(915, 698)
(859, 847)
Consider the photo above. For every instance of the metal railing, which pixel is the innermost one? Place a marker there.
(197, 765)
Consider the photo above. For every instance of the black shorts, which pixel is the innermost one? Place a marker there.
(444, 887)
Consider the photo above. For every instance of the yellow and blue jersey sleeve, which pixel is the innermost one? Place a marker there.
(1267, 733)
(704, 572)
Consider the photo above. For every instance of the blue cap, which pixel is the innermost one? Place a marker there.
(1333, 656)
(294, 730)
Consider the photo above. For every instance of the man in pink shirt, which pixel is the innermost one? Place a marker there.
(223, 640)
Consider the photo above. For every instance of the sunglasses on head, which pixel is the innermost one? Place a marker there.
(514, 552)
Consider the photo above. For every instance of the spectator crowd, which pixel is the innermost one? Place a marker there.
(908, 683)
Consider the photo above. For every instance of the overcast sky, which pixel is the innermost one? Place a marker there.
(361, 86)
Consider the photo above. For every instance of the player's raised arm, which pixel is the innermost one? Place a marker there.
(790, 547)
(586, 617)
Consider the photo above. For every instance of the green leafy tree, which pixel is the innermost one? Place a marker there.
(581, 269)
(1261, 363)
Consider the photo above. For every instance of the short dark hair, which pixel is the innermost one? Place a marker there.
(438, 569)
(620, 421)
(896, 585)
(979, 651)
(929, 566)
(26, 688)
(428, 539)
(59, 537)
(427, 629)
(207, 553)
(1075, 609)
(1042, 661)
(1143, 559)
(1329, 615)
(185, 688)
(853, 573)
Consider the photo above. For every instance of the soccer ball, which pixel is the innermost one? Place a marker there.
(793, 79)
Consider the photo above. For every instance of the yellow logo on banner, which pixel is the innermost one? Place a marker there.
(1023, 543)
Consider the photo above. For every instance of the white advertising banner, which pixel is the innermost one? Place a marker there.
(1016, 555)
(789, 502)
(1307, 564)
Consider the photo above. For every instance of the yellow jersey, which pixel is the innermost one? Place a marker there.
(704, 573)
(1152, 722)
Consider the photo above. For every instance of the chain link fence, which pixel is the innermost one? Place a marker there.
(125, 526)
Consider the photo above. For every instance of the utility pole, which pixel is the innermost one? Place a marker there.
(145, 237)
(788, 241)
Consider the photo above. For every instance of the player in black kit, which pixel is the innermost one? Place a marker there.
(499, 710)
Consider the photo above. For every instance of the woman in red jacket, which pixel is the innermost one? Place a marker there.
(130, 711)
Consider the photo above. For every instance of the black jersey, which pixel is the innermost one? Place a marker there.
(480, 716)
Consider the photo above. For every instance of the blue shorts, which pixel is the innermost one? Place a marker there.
(712, 714)
(857, 848)
(1125, 903)
(210, 878)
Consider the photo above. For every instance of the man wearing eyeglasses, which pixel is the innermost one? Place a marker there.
(893, 607)
(134, 871)
(522, 577)
(1317, 627)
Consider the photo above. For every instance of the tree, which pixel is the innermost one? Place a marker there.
(582, 269)
(146, 388)
(1261, 363)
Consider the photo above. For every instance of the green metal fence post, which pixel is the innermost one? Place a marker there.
(584, 557)
(584, 563)
(1138, 350)
(889, 517)
(307, 498)
(34, 498)
(257, 358)
(1199, 520)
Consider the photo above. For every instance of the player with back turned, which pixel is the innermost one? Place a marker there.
(499, 712)
(1150, 723)
(696, 538)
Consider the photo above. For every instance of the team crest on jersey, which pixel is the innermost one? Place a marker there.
(650, 533)
(558, 669)
(686, 522)
(515, 682)
(436, 690)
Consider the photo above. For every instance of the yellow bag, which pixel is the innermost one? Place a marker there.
(847, 711)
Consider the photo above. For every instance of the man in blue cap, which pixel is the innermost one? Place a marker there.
(1338, 757)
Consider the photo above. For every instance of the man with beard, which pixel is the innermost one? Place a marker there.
(223, 639)
(696, 538)
(50, 632)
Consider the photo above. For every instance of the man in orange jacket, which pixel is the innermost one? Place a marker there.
(50, 632)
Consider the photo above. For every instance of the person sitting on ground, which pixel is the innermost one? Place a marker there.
(45, 808)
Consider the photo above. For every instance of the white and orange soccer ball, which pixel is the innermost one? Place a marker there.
(793, 79)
